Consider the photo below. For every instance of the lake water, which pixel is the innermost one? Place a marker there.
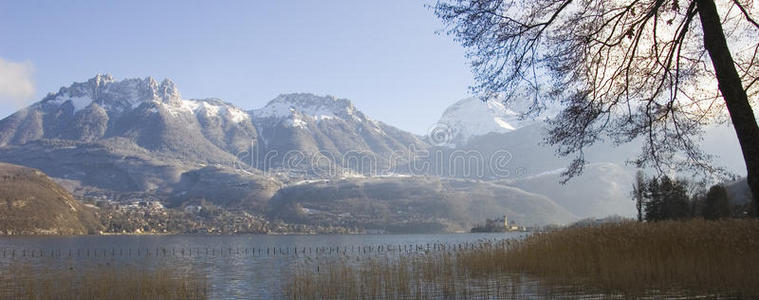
(237, 266)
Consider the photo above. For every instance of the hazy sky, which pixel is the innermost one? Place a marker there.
(383, 55)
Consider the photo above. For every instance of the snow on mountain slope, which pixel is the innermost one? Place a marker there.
(215, 108)
(304, 111)
(472, 117)
(320, 108)
(128, 94)
(295, 110)
(150, 114)
(132, 136)
(109, 137)
(330, 129)
(114, 95)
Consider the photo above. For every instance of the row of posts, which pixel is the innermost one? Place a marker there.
(266, 251)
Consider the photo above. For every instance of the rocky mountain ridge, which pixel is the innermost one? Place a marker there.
(138, 139)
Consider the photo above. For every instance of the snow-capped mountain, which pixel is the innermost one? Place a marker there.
(471, 127)
(142, 136)
(327, 129)
(490, 130)
(288, 106)
(119, 138)
(149, 114)
(301, 110)
(472, 117)
(115, 95)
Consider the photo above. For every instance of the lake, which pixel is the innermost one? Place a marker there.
(237, 266)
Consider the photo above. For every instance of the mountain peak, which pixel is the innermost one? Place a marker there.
(100, 79)
(318, 107)
(167, 91)
(111, 94)
(473, 117)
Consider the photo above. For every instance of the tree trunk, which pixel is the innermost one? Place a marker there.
(732, 90)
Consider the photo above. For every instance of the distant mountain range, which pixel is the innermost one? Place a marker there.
(494, 130)
(139, 139)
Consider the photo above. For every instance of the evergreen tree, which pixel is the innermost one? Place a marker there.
(698, 201)
(654, 203)
(677, 201)
(666, 199)
(717, 205)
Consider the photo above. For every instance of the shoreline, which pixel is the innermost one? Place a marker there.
(247, 233)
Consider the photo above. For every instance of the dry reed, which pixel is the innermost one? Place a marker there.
(696, 257)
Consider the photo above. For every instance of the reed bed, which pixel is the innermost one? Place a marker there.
(688, 258)
(375, 278)
(100, 282)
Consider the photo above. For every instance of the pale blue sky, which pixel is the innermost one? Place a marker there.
(383, 55)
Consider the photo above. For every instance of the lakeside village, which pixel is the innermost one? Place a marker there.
(147, 216)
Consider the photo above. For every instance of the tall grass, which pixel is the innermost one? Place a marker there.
(697, 257)
(100, 282)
